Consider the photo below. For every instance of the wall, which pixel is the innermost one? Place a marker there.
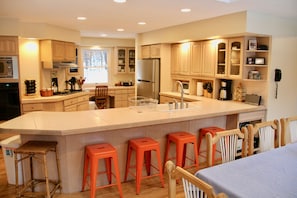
(29, 63)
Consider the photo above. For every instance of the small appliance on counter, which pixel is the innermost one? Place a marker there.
(225, 92)
(55, 85)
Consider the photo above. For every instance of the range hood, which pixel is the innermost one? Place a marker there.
(64, 64)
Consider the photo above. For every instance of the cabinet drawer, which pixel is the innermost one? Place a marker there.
(32, 107)
(83, 98)
(70, 108)
(70, 101)
(251, 116)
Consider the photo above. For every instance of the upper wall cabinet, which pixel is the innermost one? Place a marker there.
(256, 58)
(203, 58)
(125, 58)
(151, 51)
(56, 51)
(181, 58)
(229, 58)
(9, 46)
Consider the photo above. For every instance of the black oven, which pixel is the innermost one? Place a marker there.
(9, 101)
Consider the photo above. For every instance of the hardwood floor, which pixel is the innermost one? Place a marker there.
(149, 188)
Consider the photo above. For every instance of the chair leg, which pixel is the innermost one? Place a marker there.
(108, 168)
(160, 166)
(147, 155)
(48, 194)
(94, 169)
(117, 174)
(128, 162)
(85, 173)
(179, 155)
(139, 164)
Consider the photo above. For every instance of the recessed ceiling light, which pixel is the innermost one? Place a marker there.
(120, 30)
(81, 18)
(185, 10)
(141, 23)
(120, 1)
(226, 1)
(103, 35)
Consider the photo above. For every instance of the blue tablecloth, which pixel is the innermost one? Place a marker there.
(269, 174)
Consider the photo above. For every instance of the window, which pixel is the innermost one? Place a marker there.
(95, 65)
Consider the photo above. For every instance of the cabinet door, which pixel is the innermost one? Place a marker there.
(58, 50)
(221, 59)
(181, 58)
(9, 46)
(235, 58)
(121, 60)
(209, 57)
(145, 51)
(197, 55)
(155, 51)
(69, 51)
(131, 60)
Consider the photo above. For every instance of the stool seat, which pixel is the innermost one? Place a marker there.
(93, 153)
(30, 150)
(202, 132)
(143, 148)
(181, 139)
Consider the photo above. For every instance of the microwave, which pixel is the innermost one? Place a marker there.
(8, 67)
(186, 87)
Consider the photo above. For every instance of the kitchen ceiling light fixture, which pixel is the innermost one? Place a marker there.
(141, 23)
(226, 1)
(185, 10)
(81, 18)
(120, 1)
(120, 30)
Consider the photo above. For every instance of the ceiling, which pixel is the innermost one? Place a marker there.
(106, 16)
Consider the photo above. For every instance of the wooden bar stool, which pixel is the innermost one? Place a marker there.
(37, 150)
(202, 132)
(181, 139)
(143, 148)
(93, 153)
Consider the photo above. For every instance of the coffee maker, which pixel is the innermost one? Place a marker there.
(225, 92)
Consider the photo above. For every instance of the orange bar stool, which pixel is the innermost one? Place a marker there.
(93, 153)
(202, 132)
(181, 139)
(143, 148)
(38, 151)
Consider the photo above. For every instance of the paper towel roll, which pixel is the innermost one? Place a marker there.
(199, 88)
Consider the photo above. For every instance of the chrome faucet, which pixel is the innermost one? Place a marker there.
(181, 94)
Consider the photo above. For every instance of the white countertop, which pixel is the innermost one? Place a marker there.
(80, 122)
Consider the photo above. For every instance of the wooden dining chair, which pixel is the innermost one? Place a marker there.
(228, 141)
(268, 133)
(193, 186)
(288, 130)
(101, 96)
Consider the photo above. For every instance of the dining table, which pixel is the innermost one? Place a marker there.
(271, 174)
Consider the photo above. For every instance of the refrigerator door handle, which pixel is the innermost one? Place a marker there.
(143, 80)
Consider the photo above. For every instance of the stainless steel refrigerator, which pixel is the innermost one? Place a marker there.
(148, 78)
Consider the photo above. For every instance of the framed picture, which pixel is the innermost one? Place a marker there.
(252, 44)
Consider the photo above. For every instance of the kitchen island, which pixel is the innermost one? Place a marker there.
(75, 130)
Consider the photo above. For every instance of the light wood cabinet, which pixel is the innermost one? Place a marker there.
(56, 51)
(125, 60)
(181, 58)
(121, 96)
(74, 103)
(235, 58)
(151, 51)
(9, 46)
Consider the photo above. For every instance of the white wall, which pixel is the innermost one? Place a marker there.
(29, 63)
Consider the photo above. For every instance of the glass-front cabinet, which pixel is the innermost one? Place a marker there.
(125, 58)
(235, 58)
(221, 65)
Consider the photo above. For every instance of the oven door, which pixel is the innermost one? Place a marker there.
(9, 101)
